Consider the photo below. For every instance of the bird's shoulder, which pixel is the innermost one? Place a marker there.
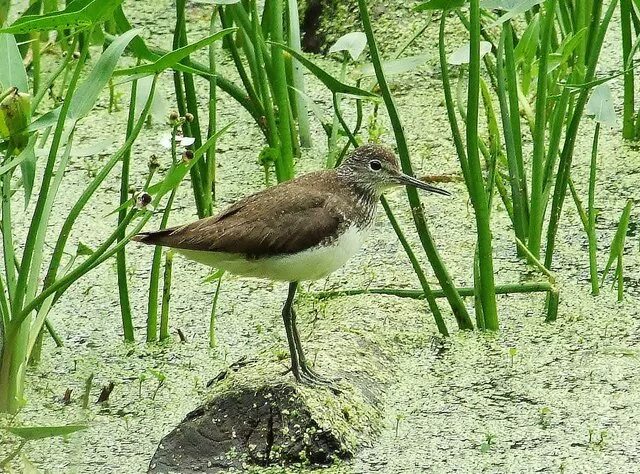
(282, 219)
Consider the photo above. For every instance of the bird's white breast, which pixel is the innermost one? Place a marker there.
(311, 264)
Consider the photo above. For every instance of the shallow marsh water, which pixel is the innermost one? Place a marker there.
(535, 397)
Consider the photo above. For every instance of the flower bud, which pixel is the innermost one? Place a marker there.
(154, 163)
(15, 117)
(188, 117)
(173, 116)
(187, 156)
(143, 200)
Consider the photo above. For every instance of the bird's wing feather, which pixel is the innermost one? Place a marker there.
(259, 227)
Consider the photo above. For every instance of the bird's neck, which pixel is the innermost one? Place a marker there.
(364, 198)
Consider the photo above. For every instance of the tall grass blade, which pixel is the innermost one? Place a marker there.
(78, 14)
(172, 58)
(617, 244)
(327, 79)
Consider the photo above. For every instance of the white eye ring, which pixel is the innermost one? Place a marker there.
(375, 165)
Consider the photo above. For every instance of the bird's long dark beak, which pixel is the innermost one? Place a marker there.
(411, 181)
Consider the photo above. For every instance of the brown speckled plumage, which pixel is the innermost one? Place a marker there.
(293, 216)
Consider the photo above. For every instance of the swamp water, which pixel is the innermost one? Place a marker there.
(536, 397)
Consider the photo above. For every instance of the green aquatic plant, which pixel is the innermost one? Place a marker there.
(27, 294)
(600, 106)
(630, 32)
(454, 299)
(541, 71)
(617, 251)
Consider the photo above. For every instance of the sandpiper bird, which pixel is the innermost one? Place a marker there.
(299, 230)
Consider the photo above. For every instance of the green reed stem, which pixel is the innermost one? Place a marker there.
(591, 210)
(455, 301)
(553, 302)
(540, 125)
(249, 90)
(166, 296)
(156, 262)
(184, 100)
(53, 333)
(512, 132)
(298, 77)
(210, 181)
(121, 257)
(535, 287)
(595, 39)
(476, 185)
(284, 163)
(628, 114)
(271, 127)
(415, 264)
(8, 247)
(213, 317)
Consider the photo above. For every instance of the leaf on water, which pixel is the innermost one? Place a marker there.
(396, 66)
(517, 7)
(354, 43)
(40, 432)
(439, 5)
(12, 72)
(600, 105)
(462, 54)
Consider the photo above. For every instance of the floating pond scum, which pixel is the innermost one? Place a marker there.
(442, 335)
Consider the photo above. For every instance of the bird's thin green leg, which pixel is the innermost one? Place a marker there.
(304, 368)
(299, 367)
(287, 318)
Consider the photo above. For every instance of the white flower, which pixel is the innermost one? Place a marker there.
(165, 141)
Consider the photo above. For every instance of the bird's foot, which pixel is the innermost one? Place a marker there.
(307, 376)
(317, 378)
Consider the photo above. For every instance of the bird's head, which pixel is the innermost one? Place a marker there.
(376, 168)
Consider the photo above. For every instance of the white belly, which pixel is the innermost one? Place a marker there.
(311, 264)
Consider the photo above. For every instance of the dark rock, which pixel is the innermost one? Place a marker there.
(270, 425)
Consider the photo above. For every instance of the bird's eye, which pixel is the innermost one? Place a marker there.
(375, 165)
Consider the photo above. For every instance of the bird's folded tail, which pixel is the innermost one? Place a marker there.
(157, 237)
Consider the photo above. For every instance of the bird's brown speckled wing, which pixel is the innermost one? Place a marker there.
(259, 226)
